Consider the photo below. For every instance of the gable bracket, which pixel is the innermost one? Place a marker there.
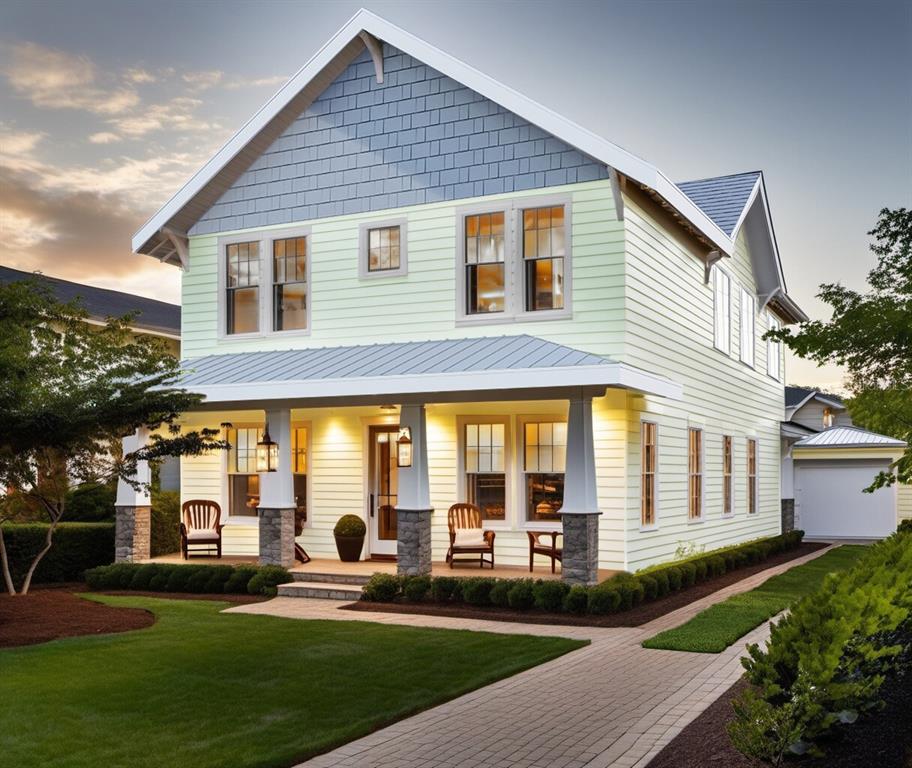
(181, 244)
(711, 258)
(376, 51)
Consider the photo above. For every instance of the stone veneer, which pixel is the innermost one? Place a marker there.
(788, 515)
(413, 547)
(579, 564)
(132, 534)
(276, 536)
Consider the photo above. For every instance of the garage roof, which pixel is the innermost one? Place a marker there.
(848, 437)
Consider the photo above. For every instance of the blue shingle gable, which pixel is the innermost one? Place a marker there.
(722, 198)
(418, 137)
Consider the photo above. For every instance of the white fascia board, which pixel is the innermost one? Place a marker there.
(608, 375)
(575, 135)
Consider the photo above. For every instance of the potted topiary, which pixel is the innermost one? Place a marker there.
(349, 533)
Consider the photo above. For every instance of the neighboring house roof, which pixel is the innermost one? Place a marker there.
(154, 316)
(796, 397)
(402, 368)
(723, 198)
(794, 430)
(848, 437)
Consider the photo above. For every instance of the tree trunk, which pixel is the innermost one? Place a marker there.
(4, 563)
(47, 545)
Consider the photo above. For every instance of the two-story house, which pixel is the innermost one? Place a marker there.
(399, 255)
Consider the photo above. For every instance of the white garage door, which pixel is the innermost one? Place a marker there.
(829, 502)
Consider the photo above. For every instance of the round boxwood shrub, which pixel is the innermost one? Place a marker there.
(350, 525)
(741, 559)
(143, 576)
(650, 586)
(218, 577)
(159, 582)
(198, 580)
(630, 588)
(417, 588)
(477, 590)
(240, 577)
(179, 578)
(702, 569)
(675, 577)
(520, 597)
(549, 595)
(604, 598)
(444, 588)
(381, 588)
(267, 580)
(499, 593)
(716, 565)
(688, 574)
(577, 599)
(664, 586)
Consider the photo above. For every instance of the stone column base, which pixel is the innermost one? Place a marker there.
(413, 545)
(579, 564)
(276, 536)
(132, 534)
(788, 515)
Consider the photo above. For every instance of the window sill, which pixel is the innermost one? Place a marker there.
(546, 526)
(288, 334)
(249, 520)
(648, 528)
(545, 315)
(382, 273)
(696, 521)
(729, 516)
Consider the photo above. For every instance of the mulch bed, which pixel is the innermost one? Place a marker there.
(882, 739)
(635, 617)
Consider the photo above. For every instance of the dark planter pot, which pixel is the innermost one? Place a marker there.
(349, 548)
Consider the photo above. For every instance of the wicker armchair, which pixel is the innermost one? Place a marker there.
(467, 536)
(201, 526)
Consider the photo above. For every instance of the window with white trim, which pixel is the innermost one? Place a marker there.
(242, 287)
(544, 464)
(694, 473)
(648, 464)
(544, 248)
(484, 461)
(721, 310)
(774, 351)
(485, 263)
(748, 327)
(727, 485)
(751, 476)
(243, 480)
(289, 284)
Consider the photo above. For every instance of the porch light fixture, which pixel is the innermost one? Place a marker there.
(388, 408)
(267, 453)
(404, 444)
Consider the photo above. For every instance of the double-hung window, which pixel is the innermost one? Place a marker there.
(544, 248)
(748, 329)
(695, 473)
(648, 474)
(289, 284)
(485, 263)
(774, 352)
(243, 480)
(484, 461)
(242, 287)
(544, 463)
(721, 310)
(751, 476)
(727, 487)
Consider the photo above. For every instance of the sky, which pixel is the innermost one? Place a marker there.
(107, 108)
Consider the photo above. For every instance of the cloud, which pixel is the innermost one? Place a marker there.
(104, 137)
(53, 79)
(14, 143)
(139, 76)
(202, 80)
(258, 82)
(178, 115)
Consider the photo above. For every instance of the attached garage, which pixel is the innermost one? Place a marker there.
(831, 470)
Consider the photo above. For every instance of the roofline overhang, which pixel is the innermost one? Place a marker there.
(469, 386)
(151, 235)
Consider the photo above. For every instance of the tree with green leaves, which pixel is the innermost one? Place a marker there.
(69, 392)
(870, 334)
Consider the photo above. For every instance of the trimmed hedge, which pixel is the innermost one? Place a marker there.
(621, 592)
(204, 579)
(74, 548)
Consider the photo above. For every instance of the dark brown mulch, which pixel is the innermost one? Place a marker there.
(635, 617)
(49, 613)
(882, 739)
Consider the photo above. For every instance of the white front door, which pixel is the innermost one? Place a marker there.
(383, 487)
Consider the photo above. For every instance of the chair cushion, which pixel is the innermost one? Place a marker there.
(470, 537)
(202, 536)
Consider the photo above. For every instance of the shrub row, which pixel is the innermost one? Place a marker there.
(826, 660)
(75, 548)
(208, 579)
(621, 592)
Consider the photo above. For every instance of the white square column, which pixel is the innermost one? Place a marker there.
(413, 508)
(133, 507)
(276, 509)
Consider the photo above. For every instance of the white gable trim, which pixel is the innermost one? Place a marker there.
(147, 238)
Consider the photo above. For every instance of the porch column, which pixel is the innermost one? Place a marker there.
(277, 502)
(580, 513)
(133, 508)
(413, 509)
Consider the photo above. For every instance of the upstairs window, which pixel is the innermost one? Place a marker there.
(648, 475)
(485, 469)
(774, 352)
(721, 310)
(289, 276)
(485, 261)
(544, 248)
(748, 329)
(383, 249)
(242, 287)
(828, 417)
(545, 459)
(695, 473)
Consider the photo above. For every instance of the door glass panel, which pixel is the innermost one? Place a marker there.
(386, 467)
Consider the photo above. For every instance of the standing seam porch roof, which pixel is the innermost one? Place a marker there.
(848, 437)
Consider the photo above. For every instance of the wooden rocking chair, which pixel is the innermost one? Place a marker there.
(467, 536)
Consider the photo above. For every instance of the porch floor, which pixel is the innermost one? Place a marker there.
(368, 567)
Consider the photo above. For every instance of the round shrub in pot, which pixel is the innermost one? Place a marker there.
(349, 533)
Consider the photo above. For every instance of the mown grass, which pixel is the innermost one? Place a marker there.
(204, 688)
(716, 628)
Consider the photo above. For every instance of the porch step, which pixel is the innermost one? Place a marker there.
(321, 590)
(331, 578)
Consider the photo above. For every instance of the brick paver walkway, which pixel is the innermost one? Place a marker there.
(612, 703)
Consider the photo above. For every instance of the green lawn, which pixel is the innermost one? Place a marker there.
(716, 628)
(202, 688)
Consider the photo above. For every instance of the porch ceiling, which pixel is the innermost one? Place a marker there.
(450, 370)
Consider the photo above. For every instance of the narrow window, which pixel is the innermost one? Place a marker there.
(243, 480)
(726, 475)
(484, 263)
(751, 476)
(648, 476)
(774, 352)
(383, 249)
(545, 458)
(722, 309)
(827, 417)
(748, 330)
(544, 249)
(485, 475)
(695, 473)
(242, 286)
(299, 470)
(289, 275)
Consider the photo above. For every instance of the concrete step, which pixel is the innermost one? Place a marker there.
(331, 578)
(321, 590)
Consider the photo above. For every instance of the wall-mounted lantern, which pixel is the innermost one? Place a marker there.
(404, 444)
(267, 453)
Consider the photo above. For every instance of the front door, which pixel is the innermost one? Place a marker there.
(383, 487)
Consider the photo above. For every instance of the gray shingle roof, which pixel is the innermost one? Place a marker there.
(722, 198)
(504, 353)
(847, 437)
(101, 303)
(796, 395)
